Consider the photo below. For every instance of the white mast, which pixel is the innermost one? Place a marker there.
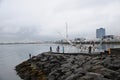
(66, 30)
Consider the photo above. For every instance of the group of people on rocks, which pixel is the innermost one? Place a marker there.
(57, 49)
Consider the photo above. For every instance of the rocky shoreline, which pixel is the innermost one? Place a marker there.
(54, 66)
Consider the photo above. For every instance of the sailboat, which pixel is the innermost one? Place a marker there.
(81, 48)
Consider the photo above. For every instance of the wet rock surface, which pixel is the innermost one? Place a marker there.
(52, 66)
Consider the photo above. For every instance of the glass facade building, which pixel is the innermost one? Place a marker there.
(100, 33)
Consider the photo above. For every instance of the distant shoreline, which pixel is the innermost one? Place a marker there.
(12, 43)
(18, 43)
(89, 42)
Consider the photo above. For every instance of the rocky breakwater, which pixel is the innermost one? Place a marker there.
(51, 66)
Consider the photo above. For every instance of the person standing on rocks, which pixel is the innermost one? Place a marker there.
(63, 49)
(58, 49)
(50, 49)
(30, 56)
(90, 48)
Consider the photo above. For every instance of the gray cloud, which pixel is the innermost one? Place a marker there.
(41, 20)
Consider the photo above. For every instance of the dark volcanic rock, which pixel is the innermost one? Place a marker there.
(52, 66)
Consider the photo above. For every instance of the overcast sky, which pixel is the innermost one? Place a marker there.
(34, 20)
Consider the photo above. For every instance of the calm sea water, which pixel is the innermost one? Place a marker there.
(12, 55)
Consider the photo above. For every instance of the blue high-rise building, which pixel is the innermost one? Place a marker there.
(100, 33)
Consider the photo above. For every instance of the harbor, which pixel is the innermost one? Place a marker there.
(59, 40)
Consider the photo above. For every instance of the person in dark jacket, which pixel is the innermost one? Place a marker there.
(58, 49)
(50, 49)
(90, 48)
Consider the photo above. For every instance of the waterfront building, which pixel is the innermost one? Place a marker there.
(79, 39)
(100, 33)
(108, 37)
(111, 38)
